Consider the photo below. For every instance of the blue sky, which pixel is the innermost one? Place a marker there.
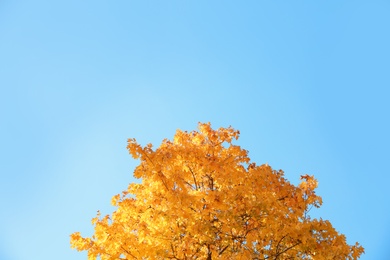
(306, 83)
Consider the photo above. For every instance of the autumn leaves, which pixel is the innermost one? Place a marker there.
(202, 198)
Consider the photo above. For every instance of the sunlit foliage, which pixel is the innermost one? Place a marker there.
(202, 198)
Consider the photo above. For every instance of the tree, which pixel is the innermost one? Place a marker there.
(202, 198)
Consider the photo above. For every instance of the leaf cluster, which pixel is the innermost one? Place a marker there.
(202, 198)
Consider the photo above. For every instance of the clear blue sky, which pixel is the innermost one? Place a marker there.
(306, 82)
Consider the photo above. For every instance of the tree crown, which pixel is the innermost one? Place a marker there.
(202, 198)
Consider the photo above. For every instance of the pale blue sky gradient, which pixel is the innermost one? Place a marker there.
(306, 83)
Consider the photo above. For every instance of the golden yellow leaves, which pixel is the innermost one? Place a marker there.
(134, 148)
(79, 242)
(309, 182)
(308, 185)
(115, 199)
(202, 198)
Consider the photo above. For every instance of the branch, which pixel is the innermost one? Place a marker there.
(285, 250)
(223, 250)
(130, 254)
(193, 176)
